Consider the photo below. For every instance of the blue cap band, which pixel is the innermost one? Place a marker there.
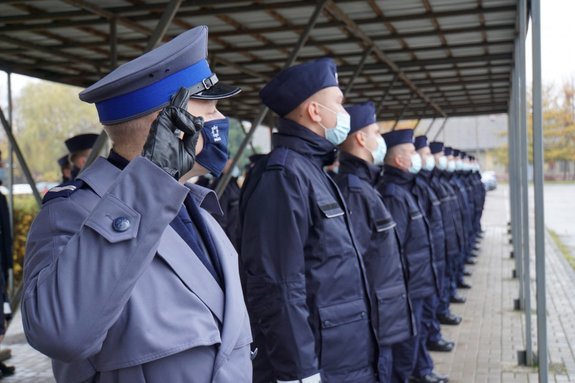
(152, 97)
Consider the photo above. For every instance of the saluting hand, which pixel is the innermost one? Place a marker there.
(163, 147)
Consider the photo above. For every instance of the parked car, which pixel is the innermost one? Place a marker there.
(489, 180)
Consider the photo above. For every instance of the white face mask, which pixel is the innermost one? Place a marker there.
(442, 164)
(429, 163)
(379, 153)
(451, 166)
(415, 164)
(458, 165)
(339, 132)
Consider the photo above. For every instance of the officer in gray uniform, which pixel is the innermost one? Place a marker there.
(128, 278)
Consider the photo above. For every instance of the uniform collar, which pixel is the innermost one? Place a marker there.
(425, 174)
(103, 172)
(398, 176)
(302, 140)
(348, 163)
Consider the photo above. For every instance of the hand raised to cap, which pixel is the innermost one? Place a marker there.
(163, 147)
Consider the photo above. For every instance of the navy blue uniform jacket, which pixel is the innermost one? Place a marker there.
(304, 277)
(395, 189)
(378, 243)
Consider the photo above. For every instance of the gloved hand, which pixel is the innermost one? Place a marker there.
(163, 147)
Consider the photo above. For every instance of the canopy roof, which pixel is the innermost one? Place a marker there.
(416, 58)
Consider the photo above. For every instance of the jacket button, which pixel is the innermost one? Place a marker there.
(326, 323)
(121, 224)
(363, 314)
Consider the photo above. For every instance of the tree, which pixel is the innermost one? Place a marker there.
(45, 115)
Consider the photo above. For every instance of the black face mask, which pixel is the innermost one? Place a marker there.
(214, 155)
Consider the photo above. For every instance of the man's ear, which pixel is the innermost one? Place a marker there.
(361, 138)
(312, 109)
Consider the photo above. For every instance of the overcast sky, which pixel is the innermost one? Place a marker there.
(558, 56)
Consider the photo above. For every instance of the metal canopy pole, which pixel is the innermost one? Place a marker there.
(20, 156)
(440, 129)
(385, 94)
(517, 180)
(357, 71)
(405, 106)
(514, 203)
(538, 193)
(226, 177)
(430, 126)
(10, 181)
(165, 21)
(525, 182)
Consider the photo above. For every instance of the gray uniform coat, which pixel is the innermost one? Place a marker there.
(135, 304)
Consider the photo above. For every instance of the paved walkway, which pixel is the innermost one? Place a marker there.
(490, 335)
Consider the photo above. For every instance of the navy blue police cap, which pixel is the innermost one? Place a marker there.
(456, 152)
(420, 142)
(462, 154)
(81, 142)
(147, 83)
(63, 161)
(448, 151)
(398, 137)
(435, 147)
(292, 86)
(361, 115)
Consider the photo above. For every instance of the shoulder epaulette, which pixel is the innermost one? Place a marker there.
(354, 182)
(63, 190)
(277, 158)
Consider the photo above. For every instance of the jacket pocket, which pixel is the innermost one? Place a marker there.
(346, 342)
(114, 220)
(330, 209)
(394, 317)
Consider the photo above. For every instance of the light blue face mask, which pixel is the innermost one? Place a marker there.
(429, 163)
(451, 166)
(337, 134)
(442, 165)
(415, 164)
(379, 153)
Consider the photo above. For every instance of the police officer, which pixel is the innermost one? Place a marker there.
(452, 227)
(79, 147)
(128, 278)
(360, 159)
(65, 168)
(452, 177)
(401, 165)
(306, 291)
(433, 200)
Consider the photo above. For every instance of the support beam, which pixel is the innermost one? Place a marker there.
(339, 14)
(124, 21)
(538, 158)
(385, 94)
(113, 42)
(10, 181)
(524, 180)
(357, 72)
(20, 156)
(405, 106)
(430, 126)
(264, 110)
(440, 129)
(165, 21)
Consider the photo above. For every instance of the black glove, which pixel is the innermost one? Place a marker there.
(163, 147)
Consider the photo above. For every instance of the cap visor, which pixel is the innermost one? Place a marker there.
(217, 92)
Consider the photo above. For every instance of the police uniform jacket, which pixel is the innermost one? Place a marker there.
(378, 243)
(449, 211)
(305, 285)
(431, 207)
(112, 293)
(412, 227)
